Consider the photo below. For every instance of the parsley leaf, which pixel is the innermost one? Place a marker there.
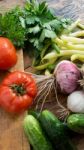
(42, 25)
(47, 34)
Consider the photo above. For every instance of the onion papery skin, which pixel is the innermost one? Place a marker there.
(67, 75)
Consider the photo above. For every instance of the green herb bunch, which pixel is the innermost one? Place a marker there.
(35, 23)
(42, 26)
(11, 27)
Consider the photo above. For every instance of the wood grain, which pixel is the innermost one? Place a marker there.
(11, 128)
(20, 62)
(5, 5)
(68, 8)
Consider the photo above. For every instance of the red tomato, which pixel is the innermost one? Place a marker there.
(17, 92)
(8, 57)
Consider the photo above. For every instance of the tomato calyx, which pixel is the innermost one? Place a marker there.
(18, 89)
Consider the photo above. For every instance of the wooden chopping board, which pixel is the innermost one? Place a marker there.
(11, 132)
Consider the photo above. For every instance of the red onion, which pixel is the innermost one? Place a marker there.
(67, 74)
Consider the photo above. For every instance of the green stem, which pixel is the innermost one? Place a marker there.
(45, 49)
(18, 89)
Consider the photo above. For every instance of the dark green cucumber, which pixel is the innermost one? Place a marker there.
(55, 131)
(76, 123)
(35, 134)
(36, 114)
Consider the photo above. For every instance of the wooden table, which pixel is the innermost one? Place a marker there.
(11, 132)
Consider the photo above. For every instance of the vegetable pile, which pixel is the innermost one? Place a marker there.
(52, 38)
(45, 128)
(58, 51)
(65, 79)
(71, 45)
(30, 24)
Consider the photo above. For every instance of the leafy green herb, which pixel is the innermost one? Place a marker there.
(36, 24)
(11, 26)
(42, 26)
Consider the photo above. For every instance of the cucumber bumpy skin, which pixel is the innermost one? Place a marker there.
(35, 134)
(55, 131)
(76, 123)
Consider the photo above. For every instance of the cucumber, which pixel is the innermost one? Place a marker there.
(36, 113)
(76, 123)
(55, 131)
(35, 134)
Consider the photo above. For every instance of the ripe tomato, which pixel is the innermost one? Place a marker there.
(8, 57)
(17, 92)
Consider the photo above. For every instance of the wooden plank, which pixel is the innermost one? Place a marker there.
(68, 8)
(20, 62)
(71, 9)
(11, 131)
(7, 4)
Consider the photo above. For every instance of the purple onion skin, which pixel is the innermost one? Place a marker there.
(67, 75)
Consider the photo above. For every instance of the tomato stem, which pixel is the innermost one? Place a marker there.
(18, 89)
